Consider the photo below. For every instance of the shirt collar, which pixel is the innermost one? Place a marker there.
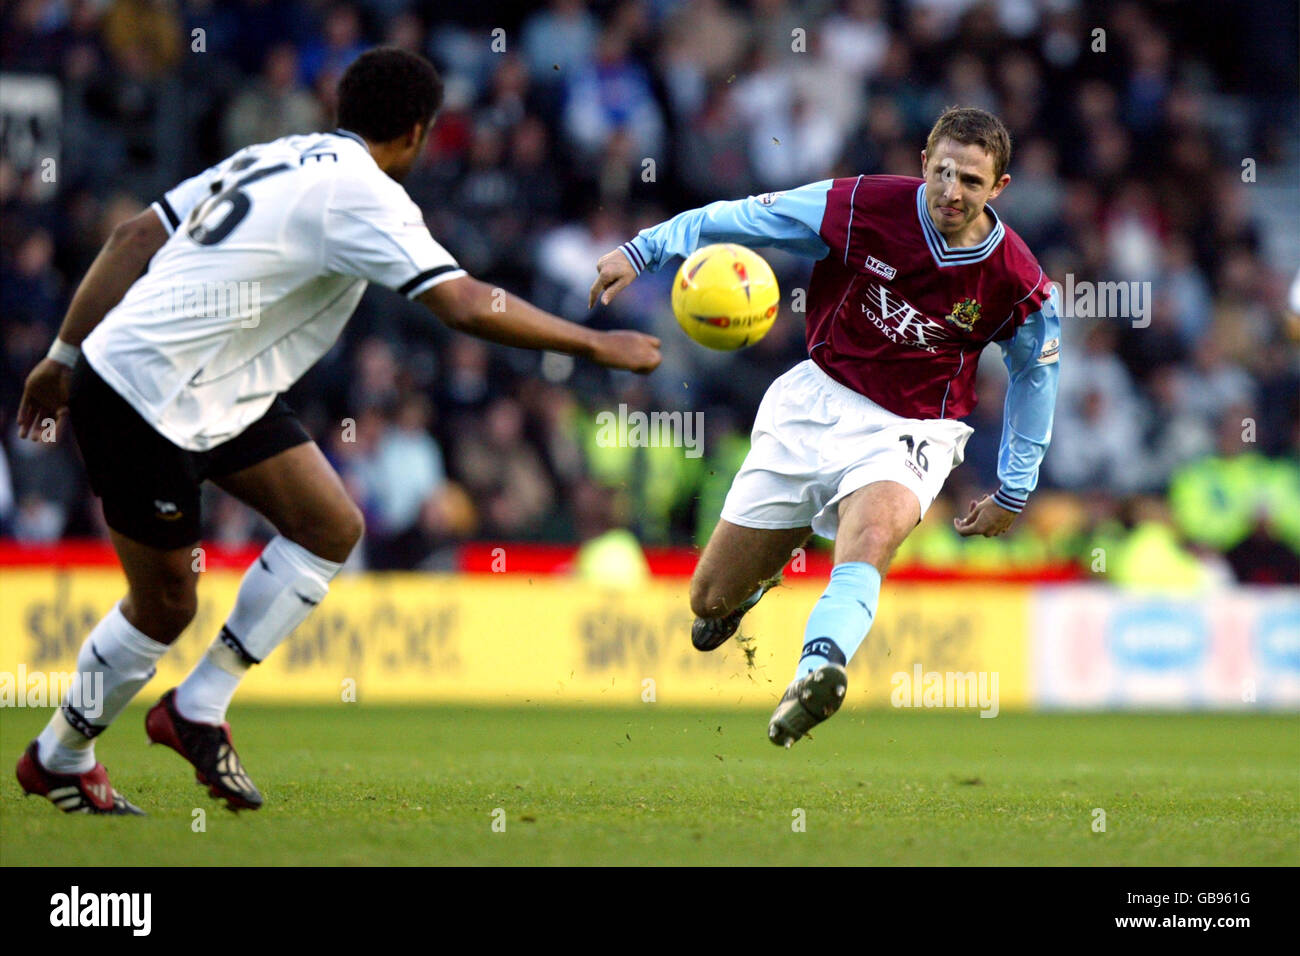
(943, 254)
(351, 135)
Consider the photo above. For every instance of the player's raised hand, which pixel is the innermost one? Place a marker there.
(985, 517)
(634, 351)
(613, 274)
(45, 396)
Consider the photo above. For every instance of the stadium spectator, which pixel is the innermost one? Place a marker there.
(275, 106)
(324, 58)
(1219, 501)
(1095, 439)
(505, 472)
(560, 39)
(609, 95)
(406, 481)
(32, 291)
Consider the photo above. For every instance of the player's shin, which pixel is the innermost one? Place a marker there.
(278, 592)
(116, 661)
(841, 618)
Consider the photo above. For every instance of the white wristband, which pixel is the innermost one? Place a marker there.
(63, 353)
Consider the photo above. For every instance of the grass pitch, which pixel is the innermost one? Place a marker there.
(417, 785)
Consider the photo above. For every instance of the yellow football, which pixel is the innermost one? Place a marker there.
(725, 296)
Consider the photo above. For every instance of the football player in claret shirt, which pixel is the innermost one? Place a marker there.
(169, 391)
(914, 277)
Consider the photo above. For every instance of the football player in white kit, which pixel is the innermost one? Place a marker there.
(173, 378)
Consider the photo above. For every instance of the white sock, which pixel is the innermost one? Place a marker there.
(114, 663)
(278, 591)
(205, 693)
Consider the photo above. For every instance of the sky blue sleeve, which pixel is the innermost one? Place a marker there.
(1032, 358)
(789, 220)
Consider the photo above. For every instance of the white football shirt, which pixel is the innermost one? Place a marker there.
(268, 255)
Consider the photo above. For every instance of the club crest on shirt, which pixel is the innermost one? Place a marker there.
(964, 314)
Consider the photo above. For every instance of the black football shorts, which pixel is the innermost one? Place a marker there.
(149, 486)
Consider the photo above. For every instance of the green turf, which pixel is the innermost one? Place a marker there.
(355, 784)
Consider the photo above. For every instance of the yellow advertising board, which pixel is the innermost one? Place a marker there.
(513, 639)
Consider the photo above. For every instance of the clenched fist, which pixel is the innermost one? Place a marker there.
(634, 351)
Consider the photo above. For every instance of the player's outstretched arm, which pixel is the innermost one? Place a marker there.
(474, 307)
(789, 220)
(118, 265)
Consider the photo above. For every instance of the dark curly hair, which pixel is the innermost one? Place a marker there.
(386, 91)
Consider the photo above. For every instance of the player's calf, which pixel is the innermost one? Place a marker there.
(711, 632)
(115, 661)
(739, 565)
(279, 591)
(836, 628)
(162, 597)
(162, 613)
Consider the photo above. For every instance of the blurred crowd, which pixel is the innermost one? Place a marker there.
(1149, 146)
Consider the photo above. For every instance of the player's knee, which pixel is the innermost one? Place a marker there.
(332, 538)
(165, 609)
(352, 525)
(707, 599)
(874, 545)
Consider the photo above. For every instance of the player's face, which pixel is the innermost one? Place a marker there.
(959, 180)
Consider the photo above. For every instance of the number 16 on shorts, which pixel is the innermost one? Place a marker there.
(916, 460)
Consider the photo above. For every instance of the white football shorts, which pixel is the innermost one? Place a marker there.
(816, 441)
